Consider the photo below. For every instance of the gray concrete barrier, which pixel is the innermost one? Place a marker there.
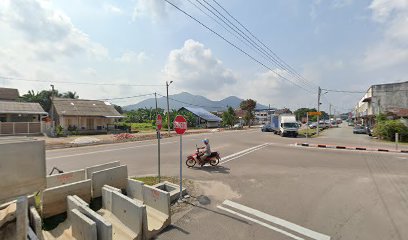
(103, 226)
(115, 177)
(65, 178)
(158, 210)
(129, 213)
(22, 166)
(54, 199)
(35, 222)
(134, 189)
(82, 227)
(95, 168)
(157, 206)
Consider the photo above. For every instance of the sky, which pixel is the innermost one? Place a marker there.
(113, 49)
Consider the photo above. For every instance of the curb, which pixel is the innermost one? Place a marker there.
(349, 148)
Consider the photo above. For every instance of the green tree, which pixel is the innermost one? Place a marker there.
(248, 106)
(118, 108)
(229, 117)
(44, 97)
(69, 94)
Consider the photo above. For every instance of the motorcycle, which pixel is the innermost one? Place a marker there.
(213, 159)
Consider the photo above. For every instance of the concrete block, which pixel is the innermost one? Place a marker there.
(95, 168)
(22, 218)
(54, 199)
(65, 178)
(107, 196)
(158, 211)
(103, 226)
(82, 227)
(22, 167)
(35, 222)
(129, 212)
(115, 177)
(134, 189)
(171, 188)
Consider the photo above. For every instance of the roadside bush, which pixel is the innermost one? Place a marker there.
(386, 130)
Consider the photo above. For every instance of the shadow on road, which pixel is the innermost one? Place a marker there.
(174, 227)
(211, 169)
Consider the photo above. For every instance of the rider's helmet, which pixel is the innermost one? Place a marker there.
(206, 141)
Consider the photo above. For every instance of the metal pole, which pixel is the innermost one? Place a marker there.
(181, 169)
(307, 124)
(318, 109)
(158, 142)
(168, 107)
(330, 115)
(396, 141)
(52, 109)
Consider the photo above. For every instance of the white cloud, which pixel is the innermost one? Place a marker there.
(112, 8)
(49, 33)
(155, 9)
(382, 9)
(392, 50)
(341, 3)
(195, 68)
(131, 56)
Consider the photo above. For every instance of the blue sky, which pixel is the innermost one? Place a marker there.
(337, 44)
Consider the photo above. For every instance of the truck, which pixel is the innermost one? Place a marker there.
(284, 125)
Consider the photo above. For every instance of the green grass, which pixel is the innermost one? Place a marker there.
(310, 132)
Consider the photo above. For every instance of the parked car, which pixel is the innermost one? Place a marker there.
(313, 125)
(359, 130)
(266, 128)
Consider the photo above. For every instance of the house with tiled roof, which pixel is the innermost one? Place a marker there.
(84, 115)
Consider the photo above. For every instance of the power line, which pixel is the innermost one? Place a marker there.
(79, 83)
(275, 57)
(236, 47)
(143, 95)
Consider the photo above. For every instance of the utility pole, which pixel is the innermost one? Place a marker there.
(168, 107)
(158, 141)
(319, 91)
(330, 114)
(52, 103)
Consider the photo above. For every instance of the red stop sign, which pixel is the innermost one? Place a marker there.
(159, 122)
(180, 124)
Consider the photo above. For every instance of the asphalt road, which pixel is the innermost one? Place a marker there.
(275, 190)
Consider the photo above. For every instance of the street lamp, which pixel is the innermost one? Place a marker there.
(168, 106)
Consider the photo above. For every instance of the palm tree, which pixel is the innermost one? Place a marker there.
(69, 94)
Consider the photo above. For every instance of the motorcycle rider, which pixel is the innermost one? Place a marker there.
(206, 152)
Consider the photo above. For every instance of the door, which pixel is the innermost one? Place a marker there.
(90, 123)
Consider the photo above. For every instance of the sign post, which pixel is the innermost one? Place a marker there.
(180, 125)
(158, 127)
(307, 124)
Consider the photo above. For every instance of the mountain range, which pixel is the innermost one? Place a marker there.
(185, 99)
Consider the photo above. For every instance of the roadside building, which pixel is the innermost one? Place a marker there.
(261, 116)
(86, 116)
(203, 117)
(19, 117)
(390, 99)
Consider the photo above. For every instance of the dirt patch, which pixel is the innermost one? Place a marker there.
(218, 190)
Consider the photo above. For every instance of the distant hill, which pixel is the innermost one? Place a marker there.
(185, 99)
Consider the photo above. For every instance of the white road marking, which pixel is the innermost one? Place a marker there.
(243, 153)
(108, 150)
(278, 221)
(261, 223)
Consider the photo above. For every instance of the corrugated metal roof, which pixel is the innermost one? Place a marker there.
(204, 114)
(21, 108)
(80, 107)
(8, 94)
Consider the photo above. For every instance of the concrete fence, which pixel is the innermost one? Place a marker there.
(82, 227)
(54, 199)
(129, 213)
(22, 165)
(95, 168)
(15, 128)
(103, 227)
(115, 177)
(157, 207)
(65, 178)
